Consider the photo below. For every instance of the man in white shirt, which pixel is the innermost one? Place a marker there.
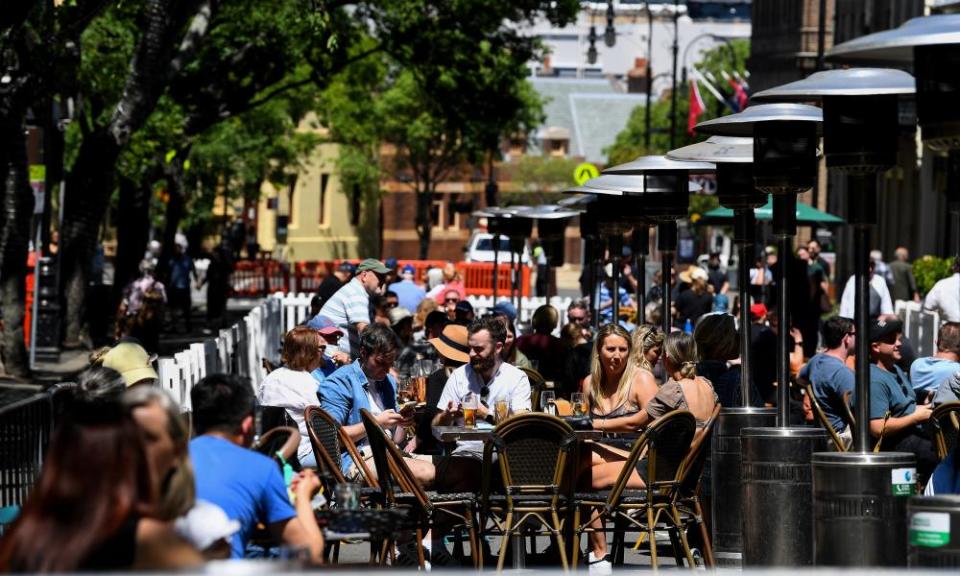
(944, 297)
(880, 303)
(490, 379)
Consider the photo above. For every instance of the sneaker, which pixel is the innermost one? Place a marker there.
(599, 567)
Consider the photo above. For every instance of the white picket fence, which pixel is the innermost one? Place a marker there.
(241, 348)
(919, 325)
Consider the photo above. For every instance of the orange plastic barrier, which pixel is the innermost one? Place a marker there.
(261, 277)
(28, 313)
(478, 278)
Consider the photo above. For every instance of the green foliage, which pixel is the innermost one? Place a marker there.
(629, 143)
(927, 270)
(700, 204)
(539, 179)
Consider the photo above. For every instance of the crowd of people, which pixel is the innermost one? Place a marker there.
(125, 487)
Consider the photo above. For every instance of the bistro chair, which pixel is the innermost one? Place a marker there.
(534, 459)
(280, 444)
(686, 507)
(537, 385)
(946, 427)
(274, 417)
(400, 489)
(665, 444)
(329, 441)
(838, 444)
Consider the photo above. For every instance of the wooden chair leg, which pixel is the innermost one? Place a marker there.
(558, 537)
(651, 537)
(705, 536)
(507, 529)
(421, 560)
(683, 537)
(575, 540)
(676, 547)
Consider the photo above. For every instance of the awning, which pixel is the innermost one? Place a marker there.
(805, 215)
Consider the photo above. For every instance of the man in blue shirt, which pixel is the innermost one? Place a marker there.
(408, 293)
(367, 383)
(894, 411)
(927, 374)
(246, 485)
(827, 372)
(181, 269)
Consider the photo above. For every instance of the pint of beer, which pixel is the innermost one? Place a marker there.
(470, 405)
(421, 388)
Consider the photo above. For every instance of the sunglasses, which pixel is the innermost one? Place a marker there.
(454, 300)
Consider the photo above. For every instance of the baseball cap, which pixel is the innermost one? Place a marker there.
(879, 329)
(324, 326)
(398, 315)
(408, 269)
(131, 361)
(505, 307)
(453, 343)
(373, 265)
(464, 307)
(347, 267)
(758, 311)
(390, 263)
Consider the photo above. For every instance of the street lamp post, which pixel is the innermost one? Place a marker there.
(778, 516)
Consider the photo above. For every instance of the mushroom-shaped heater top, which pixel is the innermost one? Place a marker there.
(785, 138)
(932, 44)
(860, 114)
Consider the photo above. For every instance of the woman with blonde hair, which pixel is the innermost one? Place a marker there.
(293, 387)
(683, 390)
(647, 347)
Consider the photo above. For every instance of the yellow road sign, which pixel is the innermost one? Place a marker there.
(584, 172)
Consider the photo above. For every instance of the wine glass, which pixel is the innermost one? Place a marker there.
(548, 402)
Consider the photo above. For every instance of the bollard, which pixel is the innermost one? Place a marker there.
(778, 495)
(934, 531)
(860, 508)
(725, 481)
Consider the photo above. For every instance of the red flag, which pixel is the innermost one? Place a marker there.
(739, 94)
(696, 107)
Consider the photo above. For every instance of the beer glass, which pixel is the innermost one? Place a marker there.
(470, 404)
(501, 410)
(579, 404)
(548, 402)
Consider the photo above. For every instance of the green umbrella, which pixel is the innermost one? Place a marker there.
(805, 215)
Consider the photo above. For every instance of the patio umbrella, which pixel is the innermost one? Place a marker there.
(805, 215)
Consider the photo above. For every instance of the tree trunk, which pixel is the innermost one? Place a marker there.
(424, 220)
(133, 233)
(171, 222)
(90, 183)
(17, 209)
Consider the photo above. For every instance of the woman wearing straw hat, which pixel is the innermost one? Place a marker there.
(451, 346)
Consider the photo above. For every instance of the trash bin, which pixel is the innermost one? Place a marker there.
(726, 479)
(778, 495)
(934, 531)
(860, 508)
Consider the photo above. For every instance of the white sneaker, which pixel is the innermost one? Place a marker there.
(599, 567)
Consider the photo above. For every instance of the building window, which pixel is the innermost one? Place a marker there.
(436, 213)
(453, 215)
(324, 181)
(355, 206)
(291, 194)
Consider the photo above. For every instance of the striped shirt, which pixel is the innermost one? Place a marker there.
(348, 306)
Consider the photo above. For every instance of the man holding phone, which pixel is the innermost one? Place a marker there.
(367, 383)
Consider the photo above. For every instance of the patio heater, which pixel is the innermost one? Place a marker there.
(733, 157)
(777, 515)
(507, 222)
(666, 200)
(640, 247)
(552, 223)
(592, 248)
(932, 45)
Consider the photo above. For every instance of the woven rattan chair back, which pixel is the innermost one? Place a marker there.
(325, 439)
(669, 445)
(283, 440)
(532, 451)
(824, 421)
(946, 427)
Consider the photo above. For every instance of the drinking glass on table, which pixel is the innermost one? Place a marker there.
(501, 410)
(578, 402)
(347, 496)
(421, 372)
(470, 404)
(548, 402)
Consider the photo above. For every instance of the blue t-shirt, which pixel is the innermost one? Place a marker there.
(929, 373)
(831, 379)
(409, 295)
(890, 391)
(247, 485)
(180, 267)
